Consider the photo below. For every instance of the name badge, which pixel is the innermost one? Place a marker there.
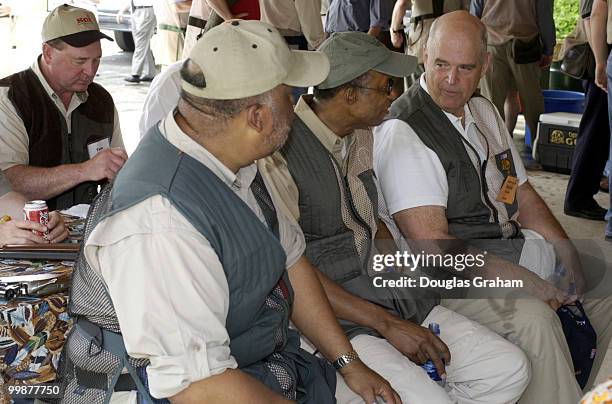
(507, 193)
(96, 147)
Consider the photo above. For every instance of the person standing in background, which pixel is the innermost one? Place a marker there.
(143, 27)
(423, 13)
(591, 150)
(514, 27)
(372, 16)
(198, 14)
(601, 38)
(298, 21)
(171, 17)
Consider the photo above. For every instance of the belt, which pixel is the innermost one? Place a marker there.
(173, 28)
(196, 22)
(139, 7)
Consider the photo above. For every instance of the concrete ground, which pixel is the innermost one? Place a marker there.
(551, 186)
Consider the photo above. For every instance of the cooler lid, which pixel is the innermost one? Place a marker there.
(561, 118)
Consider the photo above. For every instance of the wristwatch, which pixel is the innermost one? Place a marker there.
(398, 30)
(345, 359)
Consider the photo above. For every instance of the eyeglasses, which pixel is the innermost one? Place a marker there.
(388, 89)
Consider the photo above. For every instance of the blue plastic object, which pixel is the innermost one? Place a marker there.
(429, 366)
(559, 101)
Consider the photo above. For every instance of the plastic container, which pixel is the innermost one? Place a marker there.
(429, 366)
(557, 133)
(559, 101)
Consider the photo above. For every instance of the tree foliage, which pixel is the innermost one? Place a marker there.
(566, 15)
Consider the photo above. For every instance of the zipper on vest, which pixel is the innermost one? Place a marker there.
(482, 174)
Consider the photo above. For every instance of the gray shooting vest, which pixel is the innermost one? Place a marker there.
(325, 195)
(471, 213)
(253, 261)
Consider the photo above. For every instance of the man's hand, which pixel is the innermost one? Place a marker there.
(572, 280)
(545, 61)
(20, 232)
(601, 77)
(104, 165)
(368, 384)
(397, 38)
(57, 228)
(374, 31)
(417, 343)
(545, 291)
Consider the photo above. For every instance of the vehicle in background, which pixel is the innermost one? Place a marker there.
(107, 11)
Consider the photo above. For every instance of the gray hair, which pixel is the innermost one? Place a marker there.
(218, 109)
(57, 44)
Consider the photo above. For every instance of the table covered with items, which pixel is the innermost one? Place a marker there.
(34, 321)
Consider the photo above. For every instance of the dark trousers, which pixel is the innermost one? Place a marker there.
(592, 147)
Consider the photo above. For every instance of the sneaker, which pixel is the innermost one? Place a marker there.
(147, 79)
(132, 79)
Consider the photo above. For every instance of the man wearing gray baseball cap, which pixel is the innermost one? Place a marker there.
(192, 262)
(324, 175)
(60, 132)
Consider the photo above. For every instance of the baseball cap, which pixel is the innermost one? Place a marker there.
(75, 26)
(241, 58)
(352, 54)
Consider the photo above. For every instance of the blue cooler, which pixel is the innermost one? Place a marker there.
(559, 101)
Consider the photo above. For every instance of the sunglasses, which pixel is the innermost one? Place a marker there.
(388, 88)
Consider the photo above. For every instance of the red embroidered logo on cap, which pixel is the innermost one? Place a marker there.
(84, 20)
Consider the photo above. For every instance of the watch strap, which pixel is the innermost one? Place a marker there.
(345, 359)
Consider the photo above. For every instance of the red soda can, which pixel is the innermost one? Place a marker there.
(37, 211)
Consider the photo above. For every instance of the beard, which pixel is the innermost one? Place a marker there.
(280, 129)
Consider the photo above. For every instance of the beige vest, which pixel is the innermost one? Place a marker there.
(508, 19)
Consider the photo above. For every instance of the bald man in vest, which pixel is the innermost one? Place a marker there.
(59, 131)
(462, 180)
(323, 178)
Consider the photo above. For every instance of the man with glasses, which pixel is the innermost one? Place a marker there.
(323, 178)
(449, 171)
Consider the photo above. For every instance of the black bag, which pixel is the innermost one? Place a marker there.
(524, 52)
(579, 62)
(581, 339)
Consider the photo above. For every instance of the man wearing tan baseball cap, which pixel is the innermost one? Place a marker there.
(193, 250)
(60, 132)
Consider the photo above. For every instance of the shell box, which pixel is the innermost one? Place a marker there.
(556, 140)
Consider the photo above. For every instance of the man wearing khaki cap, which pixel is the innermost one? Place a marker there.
(324, 175)
(191, 261)
(59, 131)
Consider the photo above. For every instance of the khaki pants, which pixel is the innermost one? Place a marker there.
(504, 75)
(534, 327)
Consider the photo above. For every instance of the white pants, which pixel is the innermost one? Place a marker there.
(484, 367)
(143, 27)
